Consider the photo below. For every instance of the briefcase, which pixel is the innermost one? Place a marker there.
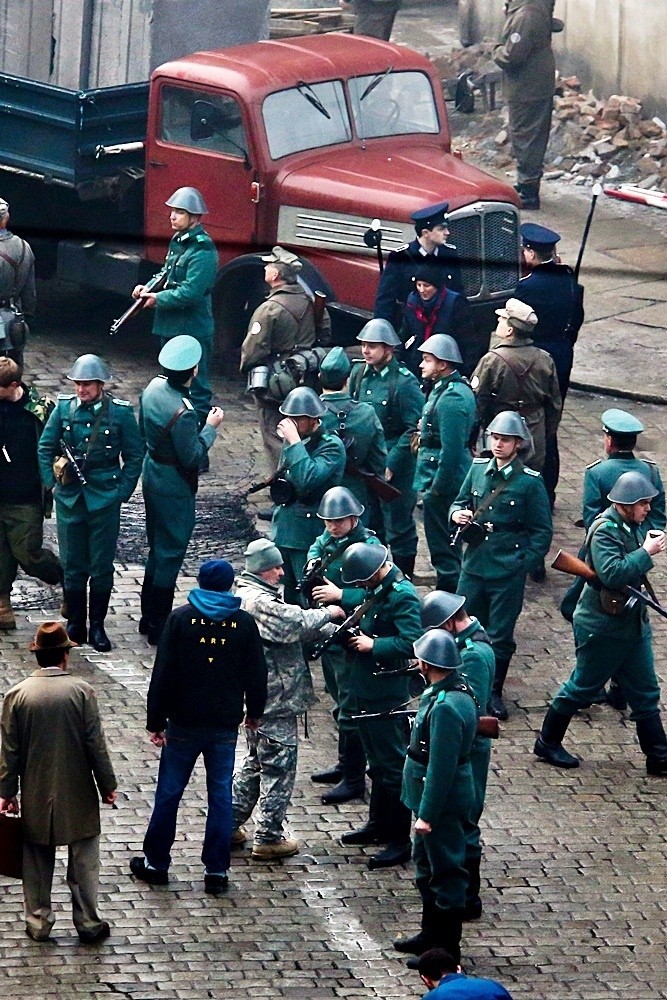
(11, 846)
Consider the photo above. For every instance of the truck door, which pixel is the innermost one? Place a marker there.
(200, 140)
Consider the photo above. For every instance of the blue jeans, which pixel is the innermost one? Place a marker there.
(177, 761)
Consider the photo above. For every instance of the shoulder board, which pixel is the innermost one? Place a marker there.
(66, 395)
(402, 248)
(401, 585)
(441, 697)
(331, 437)
(480, 461)
(120, 402)
(530, 472)
(358, 361)
(524, 277)
(404, 371)
(187, 404)
(593, 464)
(649, 461)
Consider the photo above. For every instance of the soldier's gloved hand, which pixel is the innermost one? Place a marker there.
(215, 416)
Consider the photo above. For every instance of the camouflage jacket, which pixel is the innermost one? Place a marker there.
(283, 627)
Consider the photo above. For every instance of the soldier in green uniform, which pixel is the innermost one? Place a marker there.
(99, 430)
(444, 457)
(612, 635)
(380, 691)
(311, 461)
(175, 449)
(509, 537)
(438, 788)
(185, 305)
(447, 611)
(395, 395)
(357, 425)
(620, 438)
(341, 512)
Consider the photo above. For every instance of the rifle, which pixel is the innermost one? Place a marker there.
(69, 455)
(573, 566)
(342, 632)
(313, 577)
(319, 303)
(156, 284)
(374, 483)
(487, 725)
(263, 483)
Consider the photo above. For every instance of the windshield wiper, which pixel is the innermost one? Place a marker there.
(307, 91)
(375, 82)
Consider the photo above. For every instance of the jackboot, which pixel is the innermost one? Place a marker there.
(421, 942)
(77, 608)
(529, 192)
(616, 696)
(146, 603)
(406, 564)
(7, 619)
(653, 742)
(497, 706)
(548, 746)
(370, 832)
(353, 783)
(163, 599)
(334, 774)
(447, 930)
(395, 821)
(473, 907)
(99, 605)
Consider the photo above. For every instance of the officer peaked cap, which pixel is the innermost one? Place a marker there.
(432, 215)
(280, 256)
(532, 234)
(621, 422)
(180, 354)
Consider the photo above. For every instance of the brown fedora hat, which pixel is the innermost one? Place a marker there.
(51, 635)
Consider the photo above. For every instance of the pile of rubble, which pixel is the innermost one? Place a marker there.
(590, 139)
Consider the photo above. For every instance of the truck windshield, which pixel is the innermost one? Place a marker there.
(307, 116)
(393, 104)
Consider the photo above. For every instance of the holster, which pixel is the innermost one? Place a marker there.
(473, 534)
(613, 601)
(487, 725)
(63, 471)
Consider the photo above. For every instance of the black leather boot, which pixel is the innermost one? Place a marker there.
(529, 192)
(497, 706)
(353, 783)
(653, 742)
(425, 939)
(473, 907)
(395, 821)
(146, 603)
(548, 744)
(163, 598)
(334, 774)
(99, 605)
(77, 608)
(370, 832)
(447, 930)
(616, 696)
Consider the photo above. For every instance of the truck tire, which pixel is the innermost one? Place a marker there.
(239, 289)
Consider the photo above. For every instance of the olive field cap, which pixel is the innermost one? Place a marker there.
(379, 331)
(632, 487)
(180, 354)
(337, 503)
(432, 215)
(188, 199)
(89, 368)
(438, 649)
(621, 422)
(51, 635)
(518, 314)
(533, 234)
(439, 606)
(361, 561)
(302, 402)
(335, 367)
(262, 554)
(443, 347)
(509, 424)
(280, 256)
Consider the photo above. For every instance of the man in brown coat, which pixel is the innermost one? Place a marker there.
(53, 747)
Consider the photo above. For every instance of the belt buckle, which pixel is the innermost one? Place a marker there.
(489, 527)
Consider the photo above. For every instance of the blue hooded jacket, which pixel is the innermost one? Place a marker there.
(214, 604)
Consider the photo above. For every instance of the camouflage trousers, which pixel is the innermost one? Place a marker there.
(266, 780)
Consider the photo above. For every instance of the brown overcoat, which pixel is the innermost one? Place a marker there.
(53, 746)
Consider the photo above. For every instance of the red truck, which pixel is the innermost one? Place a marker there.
(301, 142)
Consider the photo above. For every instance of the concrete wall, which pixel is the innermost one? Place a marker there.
(614, 46)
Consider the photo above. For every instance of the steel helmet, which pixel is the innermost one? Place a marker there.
(379, 331)
(442, 347)
(509, 423)
(438, 649)
(302, 402)
(338, 503)
(439, 606)
(361, 561)
(188, 199)
(632, 487)
(89, 368)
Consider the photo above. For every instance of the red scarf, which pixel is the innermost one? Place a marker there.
(429, 319)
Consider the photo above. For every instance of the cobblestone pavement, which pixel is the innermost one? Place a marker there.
(575, 889)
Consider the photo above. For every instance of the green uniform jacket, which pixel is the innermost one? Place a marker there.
(447, 421)
(285, 321)
(322, 548)
(184, 443)
(396, 397)
(185, 305)
(312, 466)
(524, 52)
(520, 518)
(446, 721)
(600, 476)
(617, 556)
(118, 437)
(359, 427)
(479, 667)
(394, 623)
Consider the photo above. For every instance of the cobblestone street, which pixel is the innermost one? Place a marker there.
(575, 890)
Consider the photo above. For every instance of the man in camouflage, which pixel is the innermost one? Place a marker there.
(269, 769)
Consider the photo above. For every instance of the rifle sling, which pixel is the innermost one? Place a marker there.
(488, 500)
